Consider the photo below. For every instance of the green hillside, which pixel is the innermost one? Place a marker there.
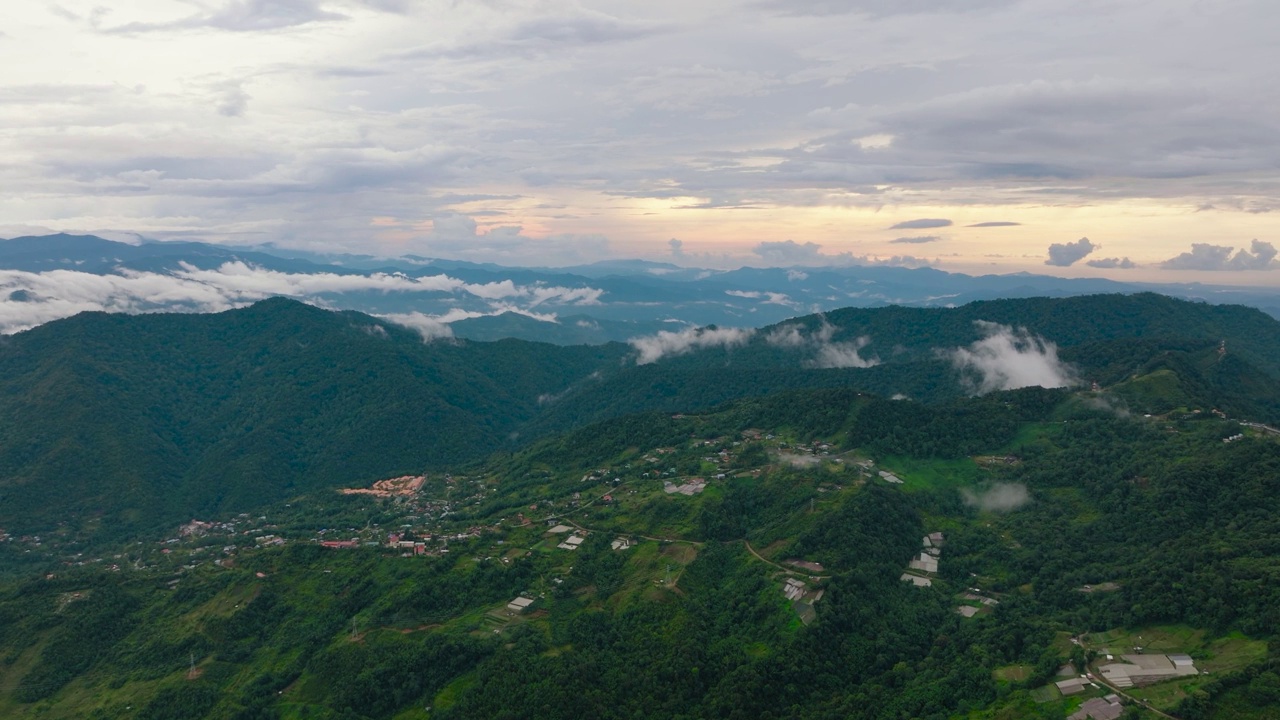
(133, 420)
(1061, 517)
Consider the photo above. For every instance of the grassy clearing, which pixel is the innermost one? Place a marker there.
(924, 475)
(1012, 673)
(448, 697)
(1045, 694)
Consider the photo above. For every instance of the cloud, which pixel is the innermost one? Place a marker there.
(919, 239)
(677, 248)
(843, 355)
(878, 8)
(537, 35)
(666, 344)
(994, 223)
(1068, 254)
(459, 236)
(921, 224)
(767, 298)
(909, 261)
(243, 16)
(28, 299)
(794, 275)
(788, 336)
(584, 28)
(253, 282)
(232, 100)
(789, 252)
(1108, 404)
(1203, 256)
(799, 461)
(1000, 497)
(827, 354)
(555, 103)
(1007, 359)
(1112, 263)
(430, 328)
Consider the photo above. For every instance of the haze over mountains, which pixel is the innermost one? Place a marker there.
(47, 277)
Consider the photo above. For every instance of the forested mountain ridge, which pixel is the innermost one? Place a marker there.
(119, 423)
(913, 352)
(140, 418)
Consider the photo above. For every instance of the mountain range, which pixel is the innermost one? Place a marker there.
(46, 277)
(117, 423)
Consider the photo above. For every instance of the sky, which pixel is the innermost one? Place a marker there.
(1131, 139)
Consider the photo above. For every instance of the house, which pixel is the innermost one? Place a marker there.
(1072, 686)
(916, 580)
(620, 544)
(521, 604)
(967, 610)
(925, 563)
(570, 543)
(1146, 669)
(338, 543)
(794, 589)
(1097, 709)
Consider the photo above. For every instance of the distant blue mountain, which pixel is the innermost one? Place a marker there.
(605, 301)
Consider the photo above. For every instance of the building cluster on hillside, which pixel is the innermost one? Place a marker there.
(691, 486)
(802, 597)
(1147, 669)
(890, 477)
(570, 543)
(1103, 708)
(973, 595)
(521, 604)
(926, 563)
(794, 589)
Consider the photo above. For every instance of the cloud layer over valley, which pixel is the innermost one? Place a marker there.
(28, 298)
